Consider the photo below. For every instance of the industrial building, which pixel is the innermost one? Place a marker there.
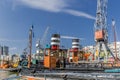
(4, 50)
(111, 46)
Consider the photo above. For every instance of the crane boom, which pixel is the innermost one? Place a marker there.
(44, 36)
(101, 16)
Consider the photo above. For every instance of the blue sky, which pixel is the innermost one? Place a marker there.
(67, 17)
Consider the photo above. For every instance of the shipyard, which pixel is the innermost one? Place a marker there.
(88, 51)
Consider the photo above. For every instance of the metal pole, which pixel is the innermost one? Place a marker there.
(30, 47)
(113, 25)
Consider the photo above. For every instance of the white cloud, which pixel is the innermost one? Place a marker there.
(47, 5)
(53, 6)
(79, 13)
(69, 37)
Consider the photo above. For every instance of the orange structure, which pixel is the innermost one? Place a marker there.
(4, 65)
(51, 52)
(86, 55)
(73, 55)
(99, 35)
(32, 78)
(49, 60)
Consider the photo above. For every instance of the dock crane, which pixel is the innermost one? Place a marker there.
(43, 39)
(40, 44)
(101, 34)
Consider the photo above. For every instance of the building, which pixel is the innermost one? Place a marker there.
(111, 46)
(4, 53)
(1, 50)
(88, 49)
(15, 58)
(4, 50)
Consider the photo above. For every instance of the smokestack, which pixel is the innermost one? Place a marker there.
(75, 44)
(55, 41)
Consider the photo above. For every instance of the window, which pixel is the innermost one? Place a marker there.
(75, 54)
(70, 54)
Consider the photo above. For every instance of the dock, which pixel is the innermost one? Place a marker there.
(11, 69)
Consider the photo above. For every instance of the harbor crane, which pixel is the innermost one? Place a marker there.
(101, 51)
(41, 43)
(43, 40)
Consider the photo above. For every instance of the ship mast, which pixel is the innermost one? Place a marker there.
(30, 46)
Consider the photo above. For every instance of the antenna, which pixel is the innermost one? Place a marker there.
(113, 26)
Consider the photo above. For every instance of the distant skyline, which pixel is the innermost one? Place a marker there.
(73, 18)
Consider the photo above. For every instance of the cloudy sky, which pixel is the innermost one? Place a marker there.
(74, 18)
